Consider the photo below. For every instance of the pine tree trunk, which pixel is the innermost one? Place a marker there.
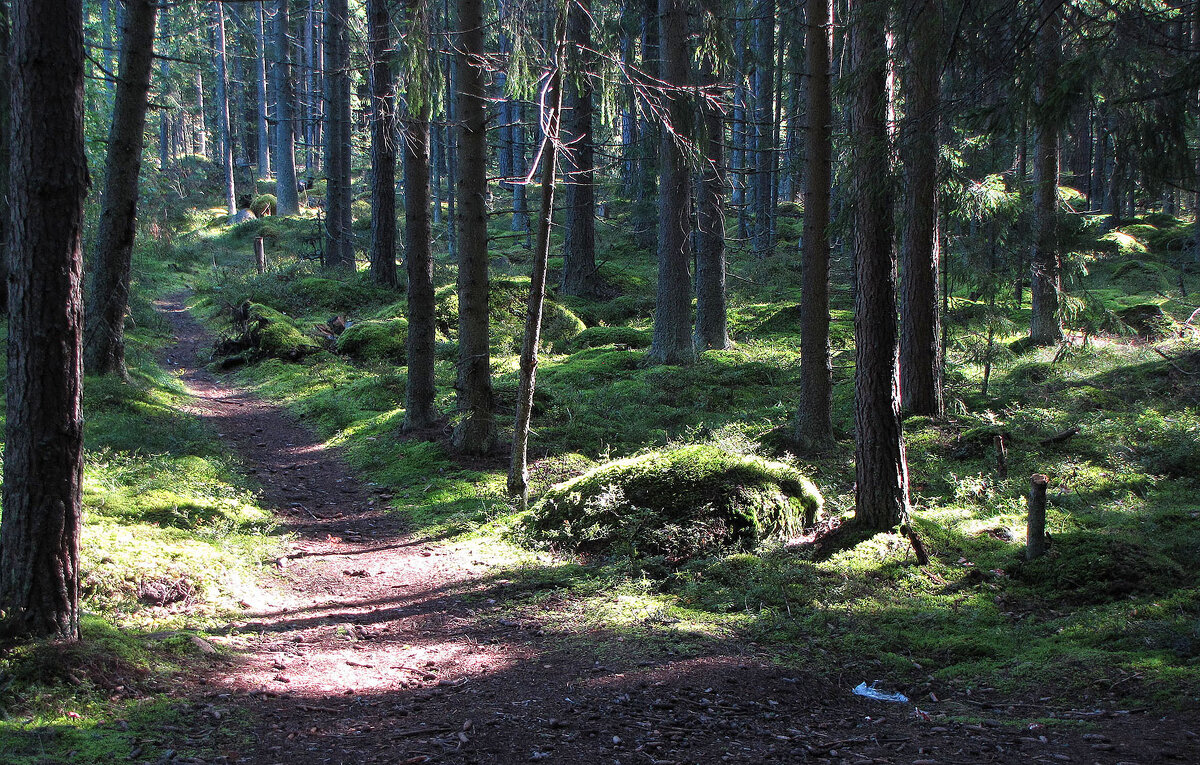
(520, 216)
(164, 114)
(108, 296)
(260, 87)
(476, 432)
(881, 499)
(1045, 326)
(579, 229)
(339, 238)
(672, 338)
(518, 470)
(43, 445)
(920, 319)
(813, 427)
(5, 152)
(764, 100)
(225, 147)
(383, 146)
(287, 201)
(711, 325)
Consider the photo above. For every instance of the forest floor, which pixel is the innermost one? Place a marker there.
(380, 646)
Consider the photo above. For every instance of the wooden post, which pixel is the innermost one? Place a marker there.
(260, 254)
(1001, 458)
(1035, 530)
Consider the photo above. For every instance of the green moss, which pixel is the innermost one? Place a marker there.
(263, 204)
(680, 503)
(278, 335)
(596, 337)
(1098, 568)
(375, 340)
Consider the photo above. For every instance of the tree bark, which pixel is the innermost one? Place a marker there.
(881, 498)
(383, 145)
(476, 432)
(672, 338)
(764, 113)
(812, 430)
(287, 201)
(1035, 527)
(224, 133)
(518, 470)
(711, 324)
(920, 319)
(43, 448)
(339, 238)
(5, 151)
(260, 87)
(1045, 326)
(419, 409)
(579, 224)
(108, 296)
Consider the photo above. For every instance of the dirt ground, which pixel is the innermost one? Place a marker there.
(368, 653)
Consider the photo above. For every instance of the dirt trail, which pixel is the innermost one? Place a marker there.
(368, 653)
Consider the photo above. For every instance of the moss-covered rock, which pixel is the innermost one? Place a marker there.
(375, 340)
(263, 204)
(278, 335)
(597, 337)
(507, 301)
(680, 503)
(1147, 320)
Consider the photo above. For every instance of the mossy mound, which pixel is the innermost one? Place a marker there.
(507, 302)
(784, 321)
(1147, 320)
(263, 204)
(597, 337)
(1098, 568)
(681, 504)
(375, 340)
(267, 333)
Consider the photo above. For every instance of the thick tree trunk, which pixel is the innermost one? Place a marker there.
(476, 432)
(43, 445)
(339, 237)
(579, 229)
(711, 325)
(5, 152)
(812, 430)
(108, 296)
(383, 145)
(286, 195)
(419, 410)
(260, 88)
(1045, 326)
(920, 319)
(518, 469)
(224, 133)
(672, 339)
(881, 498)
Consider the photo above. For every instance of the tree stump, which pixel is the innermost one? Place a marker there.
(260, 254)
(1035, 530)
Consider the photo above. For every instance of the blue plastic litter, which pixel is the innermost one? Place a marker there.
(871, 692)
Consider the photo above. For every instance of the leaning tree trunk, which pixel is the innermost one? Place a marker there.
(419, 409)
(518, 470)
(476, 432)
(108, 296)
(672, 338)
(920, 320)
(383, 145)
(339, 237)
(43, 445)
(881, 498)
(260, 87)
(711, 320)
(286, 195)
(813, 428)
(225, 135)
(579, 225)
(1045, 326)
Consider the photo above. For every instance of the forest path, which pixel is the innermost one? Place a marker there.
(376, 647)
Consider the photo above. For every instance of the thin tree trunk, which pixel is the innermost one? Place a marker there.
(711, 324)
(764, 99)
(920, 319)
(286, 195)
(164, 113)
(383, 146)
(518, 470)
(813, 427)
(672, 338)
(225, 134)
(43, 445)
(476, 432)
(579, 229)
(260, 87)
(419, 409)
(108, 296)
(881, 498)
(339, 238)
(201, 134)
(1045, 326)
